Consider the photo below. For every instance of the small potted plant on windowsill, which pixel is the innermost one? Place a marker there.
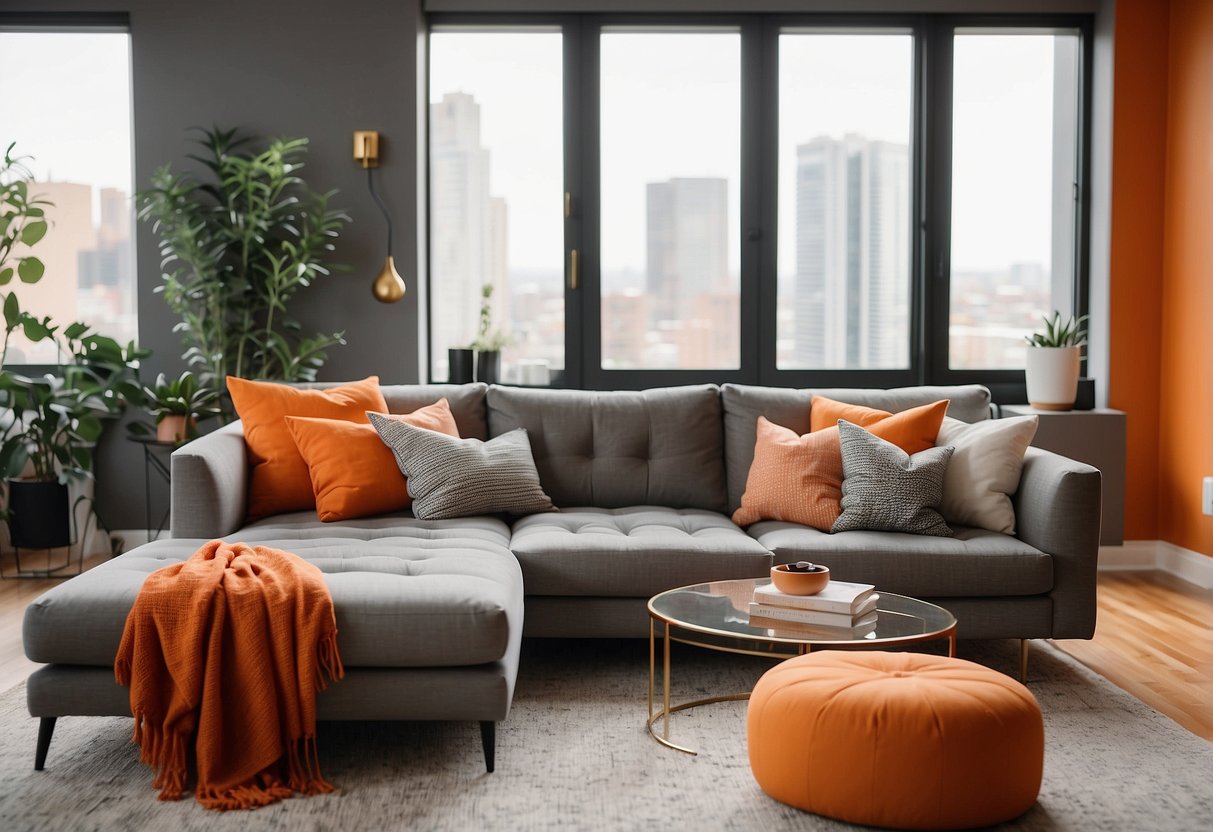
(1053, 361)
(489, 341)
(178, 405)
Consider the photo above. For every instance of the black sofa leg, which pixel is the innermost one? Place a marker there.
(488, 738)
(46, 729)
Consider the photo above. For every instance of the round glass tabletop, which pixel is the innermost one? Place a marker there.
(721, 608)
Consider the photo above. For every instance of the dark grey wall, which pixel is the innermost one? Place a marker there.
(313, 68)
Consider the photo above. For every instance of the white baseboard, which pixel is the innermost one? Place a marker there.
(1185, 564)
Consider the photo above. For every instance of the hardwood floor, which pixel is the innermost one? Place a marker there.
(1154, 639)
(15, 595)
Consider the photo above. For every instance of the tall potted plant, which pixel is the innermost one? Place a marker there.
(236, 248)
(49, 424)
(1054, 359)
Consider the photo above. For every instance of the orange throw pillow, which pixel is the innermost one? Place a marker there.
(912, 430)
(353, 473)
(280, 477)
(798, 479)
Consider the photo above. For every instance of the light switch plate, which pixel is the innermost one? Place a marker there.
(1206, 503)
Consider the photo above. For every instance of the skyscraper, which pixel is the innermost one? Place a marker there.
(467, 240)
(852, 254)
(687, 244)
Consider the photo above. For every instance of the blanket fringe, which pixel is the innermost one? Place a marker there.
(329, 666)
(303, 767)
(164, 751)
(263, 790)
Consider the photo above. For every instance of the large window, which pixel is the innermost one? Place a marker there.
(1014, 156)
(496, 185)
(67, 108)
(790, 200)
(845, 177)
(670, 174)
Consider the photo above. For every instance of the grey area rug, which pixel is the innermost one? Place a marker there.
(574, 754)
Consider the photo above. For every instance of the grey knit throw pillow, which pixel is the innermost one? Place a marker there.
(885, 489)
(452, 477)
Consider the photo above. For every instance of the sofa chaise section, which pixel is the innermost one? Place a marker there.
(429, 618)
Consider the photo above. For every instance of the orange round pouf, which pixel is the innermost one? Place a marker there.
(900, 740)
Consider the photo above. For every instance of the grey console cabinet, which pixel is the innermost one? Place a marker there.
(1096, 437)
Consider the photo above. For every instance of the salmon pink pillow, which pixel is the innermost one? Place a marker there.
(798, 479)
(353, 473)
(280, 480)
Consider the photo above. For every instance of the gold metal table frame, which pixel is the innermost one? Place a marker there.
(786, 644)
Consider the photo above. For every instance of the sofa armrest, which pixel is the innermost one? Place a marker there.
(1058, 511)
(210, 484)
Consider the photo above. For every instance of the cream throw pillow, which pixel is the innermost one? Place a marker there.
(984, 470)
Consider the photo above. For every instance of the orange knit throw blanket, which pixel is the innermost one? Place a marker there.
(229, 647)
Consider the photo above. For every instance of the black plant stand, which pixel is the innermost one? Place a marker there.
(152, 461)
(52, 571)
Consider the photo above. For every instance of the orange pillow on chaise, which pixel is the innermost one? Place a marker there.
(280, 480)
(353, 473)
(798, 479)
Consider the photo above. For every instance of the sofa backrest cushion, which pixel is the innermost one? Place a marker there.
(659, 447)
(743, 404)
(466, 400)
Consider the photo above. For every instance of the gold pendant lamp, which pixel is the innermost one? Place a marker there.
(388, 286)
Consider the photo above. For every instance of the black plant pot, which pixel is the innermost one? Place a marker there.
(488, 366)
(460, 363)
(39, 514)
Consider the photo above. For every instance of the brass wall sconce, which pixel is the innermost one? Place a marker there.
(388, 286)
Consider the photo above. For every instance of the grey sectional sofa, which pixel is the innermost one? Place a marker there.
(431, 614)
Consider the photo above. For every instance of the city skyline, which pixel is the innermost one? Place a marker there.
(852, 279)
(845, 306)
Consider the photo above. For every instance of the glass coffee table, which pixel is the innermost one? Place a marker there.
(716, 616)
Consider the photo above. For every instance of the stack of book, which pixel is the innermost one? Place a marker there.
(842, 609)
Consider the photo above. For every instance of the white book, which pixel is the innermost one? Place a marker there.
(818, 617)
(857, 629)
(838, 596)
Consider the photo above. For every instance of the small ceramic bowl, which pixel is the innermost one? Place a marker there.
(788, 578)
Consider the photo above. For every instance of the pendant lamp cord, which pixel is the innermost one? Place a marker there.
(370, 184)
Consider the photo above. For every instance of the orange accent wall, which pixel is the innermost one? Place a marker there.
(1139, 118)
(1185, 448)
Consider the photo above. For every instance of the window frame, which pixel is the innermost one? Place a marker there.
(931, 131)
(1006, 386)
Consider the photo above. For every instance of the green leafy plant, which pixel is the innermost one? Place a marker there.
(1071, 332)
(52, 422)
(182, 396)
(22, 220)
(235, 250)
(487, 338)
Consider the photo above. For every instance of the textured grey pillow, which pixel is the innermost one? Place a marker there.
(452, 477)
(885, 489)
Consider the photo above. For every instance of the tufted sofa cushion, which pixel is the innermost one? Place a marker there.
(407, 593)
(743, 404)
(615, 449)
(632, 552)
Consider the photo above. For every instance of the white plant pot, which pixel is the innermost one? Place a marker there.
(1052, 375)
